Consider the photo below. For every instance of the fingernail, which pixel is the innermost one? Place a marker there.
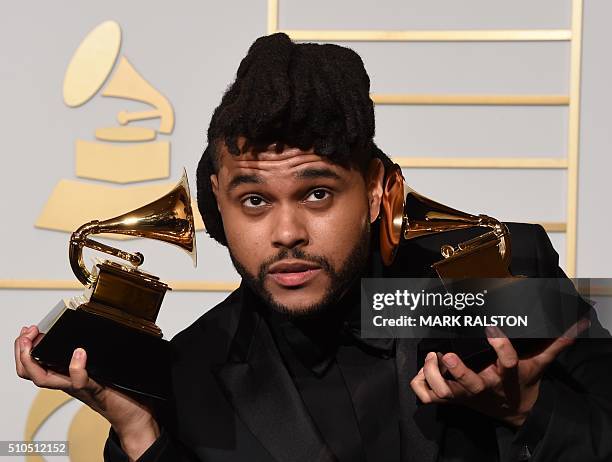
(450, 360)
(23, 330)
(494, 332)
(78, 353)
(430, 355)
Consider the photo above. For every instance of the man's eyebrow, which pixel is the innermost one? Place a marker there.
(244, 179)
(310, 173)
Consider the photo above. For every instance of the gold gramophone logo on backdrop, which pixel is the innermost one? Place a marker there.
(122, 153)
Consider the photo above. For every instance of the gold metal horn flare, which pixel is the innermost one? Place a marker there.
(168, 219)
(408, 215)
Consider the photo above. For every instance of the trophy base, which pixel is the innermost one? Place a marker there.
(119, 356)
(550, 307)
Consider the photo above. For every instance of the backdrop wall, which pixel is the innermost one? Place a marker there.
(189, 53)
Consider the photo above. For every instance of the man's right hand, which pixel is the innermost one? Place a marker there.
(132, 421)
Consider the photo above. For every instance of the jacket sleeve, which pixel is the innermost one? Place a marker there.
(164, 449)
(572, 417)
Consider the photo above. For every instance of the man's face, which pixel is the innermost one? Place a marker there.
(297, 225)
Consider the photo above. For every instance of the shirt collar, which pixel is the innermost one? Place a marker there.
(315, 339)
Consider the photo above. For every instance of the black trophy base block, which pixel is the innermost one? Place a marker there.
(118, 356)
(476, 353)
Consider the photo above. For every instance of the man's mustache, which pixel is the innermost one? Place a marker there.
(297, 254)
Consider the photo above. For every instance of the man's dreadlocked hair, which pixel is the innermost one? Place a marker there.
(306, 95)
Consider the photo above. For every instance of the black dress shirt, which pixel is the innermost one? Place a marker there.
(348, 384)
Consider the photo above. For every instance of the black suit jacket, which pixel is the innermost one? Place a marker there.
(235, 401)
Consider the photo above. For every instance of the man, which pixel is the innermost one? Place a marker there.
(291, 182)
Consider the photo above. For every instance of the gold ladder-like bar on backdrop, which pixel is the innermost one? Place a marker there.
(569, 163)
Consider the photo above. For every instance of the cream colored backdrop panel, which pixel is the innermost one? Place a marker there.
(190, 52)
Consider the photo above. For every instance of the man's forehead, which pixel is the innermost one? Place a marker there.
(291, 159)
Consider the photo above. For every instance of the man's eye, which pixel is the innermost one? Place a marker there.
(253, 202)
(318, 195)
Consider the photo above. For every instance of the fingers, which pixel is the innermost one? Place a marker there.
(434, 378)
(18, 366)
(491, 377)
(549, 354)
(430, 376)
(28, 333)
(430, 386)
(467, 378)
(31, 369)
(78, 373)
(576, 329)
(82, 387)
(31, 332)
(506, 373)
(421, 389)
(507, 357)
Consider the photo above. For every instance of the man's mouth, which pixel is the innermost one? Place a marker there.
(293, 273)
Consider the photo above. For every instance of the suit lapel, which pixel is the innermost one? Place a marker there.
(264, 396)
(420, 426)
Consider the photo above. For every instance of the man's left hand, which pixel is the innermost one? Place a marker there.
(505, 390)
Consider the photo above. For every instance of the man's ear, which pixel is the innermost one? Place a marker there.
(376, 174)
(214, 182)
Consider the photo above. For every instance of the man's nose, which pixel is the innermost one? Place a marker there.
(289, 228)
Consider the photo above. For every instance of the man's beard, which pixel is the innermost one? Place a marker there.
(340, 280)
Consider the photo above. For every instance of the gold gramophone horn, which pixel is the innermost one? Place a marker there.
(91, 67)
(408, 215)
(168, 219)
